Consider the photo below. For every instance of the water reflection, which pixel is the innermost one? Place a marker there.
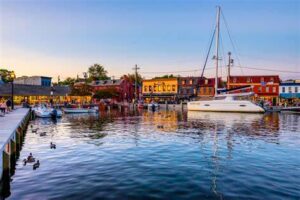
(165, 154)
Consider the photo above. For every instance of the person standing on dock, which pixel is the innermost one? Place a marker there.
(8, 104)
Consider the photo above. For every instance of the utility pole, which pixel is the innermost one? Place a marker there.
(230, 61)
(136, 68)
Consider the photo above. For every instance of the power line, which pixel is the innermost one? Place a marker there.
(195, 70)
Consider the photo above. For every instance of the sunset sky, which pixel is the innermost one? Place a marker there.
(63, 37)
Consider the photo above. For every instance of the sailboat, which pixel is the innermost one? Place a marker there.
(224, 102)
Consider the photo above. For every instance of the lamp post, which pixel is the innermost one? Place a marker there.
(12, 77)
(51, 96)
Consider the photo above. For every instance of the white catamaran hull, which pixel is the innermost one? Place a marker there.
(225, 106)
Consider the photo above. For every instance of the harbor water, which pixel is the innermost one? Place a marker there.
(161, 155)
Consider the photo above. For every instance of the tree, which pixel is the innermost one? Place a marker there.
(97, 72)
(68, 81)
(106, 93)
(165, 76)
(80, 90)
(5, 75)
(131, 78)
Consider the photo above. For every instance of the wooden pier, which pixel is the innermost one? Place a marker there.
(12, 129)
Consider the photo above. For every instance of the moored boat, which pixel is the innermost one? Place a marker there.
(80, 110)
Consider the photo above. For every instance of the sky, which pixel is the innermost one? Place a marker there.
(64, 37)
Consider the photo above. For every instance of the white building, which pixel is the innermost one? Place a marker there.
(289, 90)
(33, 80)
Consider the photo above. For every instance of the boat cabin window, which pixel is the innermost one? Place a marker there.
(219, 98)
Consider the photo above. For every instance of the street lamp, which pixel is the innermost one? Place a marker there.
(12, 77)
(51, 96)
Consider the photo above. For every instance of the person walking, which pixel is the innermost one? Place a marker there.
(8, 104)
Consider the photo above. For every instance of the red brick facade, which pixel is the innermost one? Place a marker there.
(264, 87)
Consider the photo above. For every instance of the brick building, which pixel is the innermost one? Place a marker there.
(264, 87)
(124, 88)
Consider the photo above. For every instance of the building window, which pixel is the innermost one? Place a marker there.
(234, 80)
(191, 81)
(173, 88)
(168, 87)
(274, 89)
(290, 89)
(271, 79)
(154, 88)
(183, 82)
(262, 79)
(283, 89)
(296, 89)
(164, 88)
(267, 89)
(206, 81)
(248, 79)
(204, 90)
(145, 89)
(259, 89)
(150, 88)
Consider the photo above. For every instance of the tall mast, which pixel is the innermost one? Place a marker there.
(217, 49)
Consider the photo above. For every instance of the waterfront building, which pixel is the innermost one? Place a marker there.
(124, 89)
(206, 87)
(160, 89)
(35, 93)
(34, 80)
(290, 91)
(264, 87)
(187, 87)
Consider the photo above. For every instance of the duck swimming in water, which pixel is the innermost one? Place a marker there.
(36, 165)
(43, 134)
(30, 158)
(52, 145)
(34, 130)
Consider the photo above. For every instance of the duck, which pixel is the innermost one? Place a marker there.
(24, 161)
(31, 126)
(35, 130)
(36, 165)
(43, 134)
(52, 145)
(160, 126)
(30, 158)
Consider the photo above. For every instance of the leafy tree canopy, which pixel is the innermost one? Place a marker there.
(97, 72)
(165, 76)
(5, 75)
(68, 81)
(131, 78)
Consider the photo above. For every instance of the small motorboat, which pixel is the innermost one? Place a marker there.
(80, 110)
(153, 106)
(45, 112)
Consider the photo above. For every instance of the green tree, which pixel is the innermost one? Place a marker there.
(68, 81)
(80, 90)
(5, 75)
(97, 72)
(131, 78)
(165, 76)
